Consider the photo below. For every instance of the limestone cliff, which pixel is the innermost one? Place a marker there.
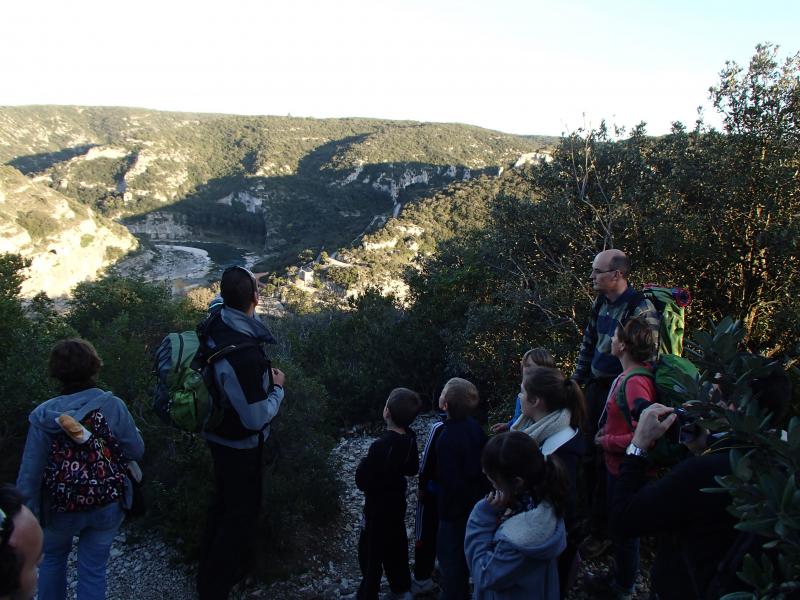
(65, 241)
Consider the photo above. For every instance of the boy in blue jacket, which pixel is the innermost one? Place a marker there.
(460, 482)
(381, 475)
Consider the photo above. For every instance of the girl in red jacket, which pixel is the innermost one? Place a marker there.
(633, 345)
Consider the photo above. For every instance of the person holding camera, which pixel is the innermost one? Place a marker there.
(696, 529)
(699, 551)
(633, 345)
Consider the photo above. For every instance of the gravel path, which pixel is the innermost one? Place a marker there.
(143, 567)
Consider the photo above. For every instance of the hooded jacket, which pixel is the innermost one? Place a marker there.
(243, 380)
(43, 427)
(518, 559)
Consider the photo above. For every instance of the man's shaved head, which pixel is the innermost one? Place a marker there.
(609, 273)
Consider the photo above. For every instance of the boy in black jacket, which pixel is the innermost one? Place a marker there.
(460, 483)
(381, 475)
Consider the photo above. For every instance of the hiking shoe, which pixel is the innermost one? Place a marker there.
(594, 547)
(421, 586)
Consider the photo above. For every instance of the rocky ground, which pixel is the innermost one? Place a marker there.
(145, 568)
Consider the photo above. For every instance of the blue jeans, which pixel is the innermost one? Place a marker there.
(452, 561)
(626, 550)
(95, 530)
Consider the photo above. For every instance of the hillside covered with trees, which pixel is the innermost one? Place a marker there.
(272, 185)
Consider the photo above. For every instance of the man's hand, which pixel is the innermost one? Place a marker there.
(499, 427)
(278, 377)
(653, 424)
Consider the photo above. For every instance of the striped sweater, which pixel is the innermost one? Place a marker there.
(595, 359)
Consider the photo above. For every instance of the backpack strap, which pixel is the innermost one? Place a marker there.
(621, 397)
(218, 355)
(633, 302)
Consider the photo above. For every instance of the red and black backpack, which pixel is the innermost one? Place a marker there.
(85, 476)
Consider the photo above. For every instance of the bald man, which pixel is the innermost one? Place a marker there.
(617, 301)
(20, 547)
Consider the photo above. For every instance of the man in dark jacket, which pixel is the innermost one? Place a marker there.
(251, 393)
(694, 528)
(617, 301)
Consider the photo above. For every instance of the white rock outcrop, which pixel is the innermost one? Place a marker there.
(533, 158)
(105, 152)
(66, 242)
(72, 256)
(162, 226)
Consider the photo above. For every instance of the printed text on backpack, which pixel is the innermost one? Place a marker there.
(85, 476)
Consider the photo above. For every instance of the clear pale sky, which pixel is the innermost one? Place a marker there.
(515, 66)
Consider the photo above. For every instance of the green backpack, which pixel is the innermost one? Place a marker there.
(185, 391)
(670, 304)
(676, 379)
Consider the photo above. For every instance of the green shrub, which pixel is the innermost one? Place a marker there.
(37, 223)
(28, 334)
(113, 253)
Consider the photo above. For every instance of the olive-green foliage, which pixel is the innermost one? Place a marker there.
(763, 479)
(360, 354)
(94, 182)
(28, 334)
(714, 212)
(717, 212)
(38, 224)
(343, 276)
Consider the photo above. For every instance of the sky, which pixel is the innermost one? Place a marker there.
(526, 67)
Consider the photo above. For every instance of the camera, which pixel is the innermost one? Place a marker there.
(683, 429)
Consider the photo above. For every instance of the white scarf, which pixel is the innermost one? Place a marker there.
(545, 427)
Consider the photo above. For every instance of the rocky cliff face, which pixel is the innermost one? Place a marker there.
(65, 241)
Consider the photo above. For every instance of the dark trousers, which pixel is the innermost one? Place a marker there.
(626, 550)
(452, 561)
(568, 564)
(383, 546)
(425, 538)
(594, 466)
(228, 542)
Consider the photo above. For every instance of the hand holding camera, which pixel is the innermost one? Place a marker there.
(653, 424)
